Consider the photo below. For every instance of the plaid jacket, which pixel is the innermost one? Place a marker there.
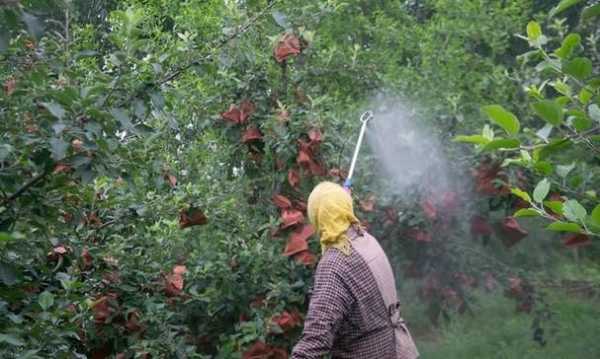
(347, 315)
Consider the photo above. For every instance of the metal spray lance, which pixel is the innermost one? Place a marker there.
(364, 119)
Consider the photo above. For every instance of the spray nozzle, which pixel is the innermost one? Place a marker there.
(364, 119)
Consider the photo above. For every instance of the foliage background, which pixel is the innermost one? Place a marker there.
(113, 132)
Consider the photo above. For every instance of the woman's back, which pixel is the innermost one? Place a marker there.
(349, 314)
(353, 312)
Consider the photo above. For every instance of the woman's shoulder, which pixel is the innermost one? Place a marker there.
(334, 258)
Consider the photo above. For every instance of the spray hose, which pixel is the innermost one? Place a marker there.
(364, 119)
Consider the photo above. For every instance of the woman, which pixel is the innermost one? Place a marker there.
(353, 311)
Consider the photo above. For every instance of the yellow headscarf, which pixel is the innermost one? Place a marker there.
(330, 212)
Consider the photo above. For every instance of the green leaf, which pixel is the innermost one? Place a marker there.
(562, 87)
(503, 118)
(574, 211)
(276, 329)
(33, 24)
(596, 215)
(534, 35)
(564, 170)
(8, 276)
(568, 45)
(560, 226)
(543, 167)
(16, 319)
(521, 194)
(575, 112)
(541, 190)
(487, 132)
(55, 109)
(67, 96)
(575, 181)
(562, 6)
(534, 31)
(59, 148)
(5, 151)
(544, 132)
(591, 193)
(281, 19)
(594, 82)
(11, 340)
(58, 128)
(46, 300)
(476, 139)
(581, 123)
(590, 12)
(525, 156)
(506, 143)
(549, 111)
(579, 67)
(585, 96)
(516, 161)
(555, 206)
(526, 212)
(5, 237)
(562, 101)
(553, 147)
(123, 118)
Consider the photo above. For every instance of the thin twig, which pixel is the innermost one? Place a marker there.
(104, 225)
(563, 140)
(25, 187)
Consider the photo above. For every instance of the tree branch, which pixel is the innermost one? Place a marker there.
(25, 187)
(181, 69)
(566, 138)
(241, 30)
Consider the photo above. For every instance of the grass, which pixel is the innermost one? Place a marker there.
(495, 330)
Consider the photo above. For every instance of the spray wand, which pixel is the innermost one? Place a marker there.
(364, 118)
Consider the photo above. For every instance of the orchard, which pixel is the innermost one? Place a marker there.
(156, 159)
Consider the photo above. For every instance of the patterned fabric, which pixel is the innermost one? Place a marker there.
(347, 317)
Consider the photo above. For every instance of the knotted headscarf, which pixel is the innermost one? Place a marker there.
(330, 212)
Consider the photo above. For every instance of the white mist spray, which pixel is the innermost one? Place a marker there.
(409, 155)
